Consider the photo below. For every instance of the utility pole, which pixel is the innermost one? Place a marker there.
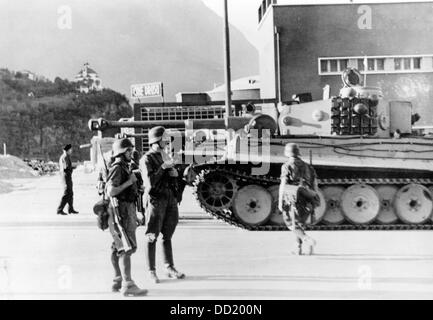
(227, 64)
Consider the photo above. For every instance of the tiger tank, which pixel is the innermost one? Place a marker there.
(374, 171)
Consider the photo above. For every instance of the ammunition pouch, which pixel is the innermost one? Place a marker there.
(100, 209)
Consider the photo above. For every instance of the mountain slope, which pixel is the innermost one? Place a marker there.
(178, 42)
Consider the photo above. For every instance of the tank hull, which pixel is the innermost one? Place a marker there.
(359, 168)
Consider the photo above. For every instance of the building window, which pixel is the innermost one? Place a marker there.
(397, 64)
(407, 63)
(334, 65)
(343, 64)
(377, 64)
(323, 65)
(380, 63)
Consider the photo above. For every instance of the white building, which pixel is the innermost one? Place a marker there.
(88, 80)
(28, 74)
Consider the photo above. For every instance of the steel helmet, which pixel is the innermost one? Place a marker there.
(292, 150)
(155, 134)
(121, 145)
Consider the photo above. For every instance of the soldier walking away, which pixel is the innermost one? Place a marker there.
(66, 168)
(162, 195)
(122, 221)
(297, 196)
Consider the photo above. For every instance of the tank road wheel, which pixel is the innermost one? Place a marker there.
(360, 204)
(387, 214)
(216, 191)
(319, 212)
(334, 213)
(431, 192)
(276, 217)
(413, 204)
(253, 205)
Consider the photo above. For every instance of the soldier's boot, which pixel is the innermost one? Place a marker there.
(117, 284)
(173, 273)
(311, 243)
(130, 289)
(153, 277)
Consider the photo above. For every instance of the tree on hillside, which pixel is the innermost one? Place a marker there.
(37, 128)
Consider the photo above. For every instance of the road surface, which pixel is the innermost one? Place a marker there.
(45, 256)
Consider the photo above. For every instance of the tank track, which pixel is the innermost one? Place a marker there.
(227, 216)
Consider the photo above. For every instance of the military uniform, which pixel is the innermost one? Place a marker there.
(161, 206)
(119, 173)
(297, 196)
(65, 165)
(121, 187)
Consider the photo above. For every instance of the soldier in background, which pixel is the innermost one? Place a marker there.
(297, 196)
(66, 168)
(121, 184)
(162, 195)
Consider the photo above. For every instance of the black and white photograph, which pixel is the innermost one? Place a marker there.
(228, 151)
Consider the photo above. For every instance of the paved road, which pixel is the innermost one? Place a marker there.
(45, 256)
(220, 262)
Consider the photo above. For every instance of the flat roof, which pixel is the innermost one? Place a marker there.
(343, 2)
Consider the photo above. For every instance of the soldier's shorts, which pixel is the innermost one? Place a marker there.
(129, 224)
(162, 216)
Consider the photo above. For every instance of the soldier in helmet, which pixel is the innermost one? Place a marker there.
(162, 196)
(121, 184)
(66, 169)
(298, 198)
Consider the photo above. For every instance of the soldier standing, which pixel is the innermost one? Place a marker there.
(65, 165)
(297, 197)
(121, 185)
(162, 195)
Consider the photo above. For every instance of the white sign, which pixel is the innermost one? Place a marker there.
(146, 90)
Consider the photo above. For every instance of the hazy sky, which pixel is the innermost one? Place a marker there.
(242, 14)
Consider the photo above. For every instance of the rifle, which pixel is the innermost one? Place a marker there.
(139, 199)
(126, 244)
(101, 184)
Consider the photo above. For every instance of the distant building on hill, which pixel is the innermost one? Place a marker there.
(88, 80)
(28, 74)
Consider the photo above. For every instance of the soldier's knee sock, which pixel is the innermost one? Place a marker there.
(115, 263)
(125, 265)
(168, 253)
(150, 254)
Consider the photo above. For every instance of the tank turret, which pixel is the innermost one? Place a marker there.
(357, 110)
